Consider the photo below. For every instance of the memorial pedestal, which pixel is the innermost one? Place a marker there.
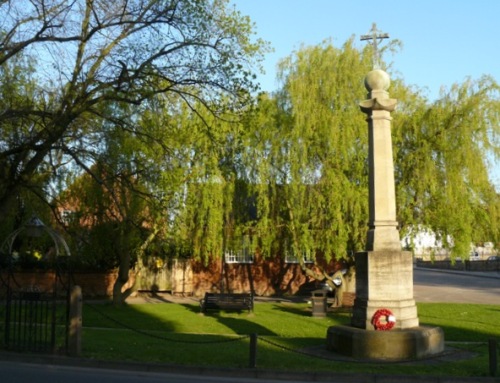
(415, 343)
(384, 280)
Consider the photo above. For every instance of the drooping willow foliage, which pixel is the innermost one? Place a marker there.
(445, 152)
(290, 178)
(293, 174)
(312, 174)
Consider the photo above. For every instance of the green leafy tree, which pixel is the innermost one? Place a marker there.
(315, 156)
(170, 184)
(18, 89)
(444, 153)
(90, 69)
(97, 63)
(305, 158)
(311, 152)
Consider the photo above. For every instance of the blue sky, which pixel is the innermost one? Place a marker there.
(444, 41)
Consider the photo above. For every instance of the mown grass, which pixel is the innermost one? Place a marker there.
(179, 334)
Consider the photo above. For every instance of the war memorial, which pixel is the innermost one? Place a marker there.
(385, 322)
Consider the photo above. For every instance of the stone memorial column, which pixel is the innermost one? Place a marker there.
(384, 273)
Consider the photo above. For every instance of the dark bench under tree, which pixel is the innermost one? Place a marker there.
(227, 301)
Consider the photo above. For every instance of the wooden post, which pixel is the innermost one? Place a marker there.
(492, 347)
(253, 350)
(75, 322)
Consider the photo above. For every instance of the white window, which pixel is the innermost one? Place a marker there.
(240, 256)
(245, 254)
(292, 257)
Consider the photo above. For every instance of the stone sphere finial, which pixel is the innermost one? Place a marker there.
(377, 79)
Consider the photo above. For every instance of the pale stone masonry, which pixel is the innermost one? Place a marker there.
(384, 273)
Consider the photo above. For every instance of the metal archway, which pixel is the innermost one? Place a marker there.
(35, 227)
(36, 299)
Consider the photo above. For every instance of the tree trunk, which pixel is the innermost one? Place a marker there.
(119, 296)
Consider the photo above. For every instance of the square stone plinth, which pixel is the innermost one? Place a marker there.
(415, 343)
(384, 280)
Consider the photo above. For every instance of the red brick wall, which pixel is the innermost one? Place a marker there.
(267, 277)
(92, 284)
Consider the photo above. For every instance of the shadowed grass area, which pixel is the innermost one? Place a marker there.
(289, 338)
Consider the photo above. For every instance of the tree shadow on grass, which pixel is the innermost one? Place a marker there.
(274, 352)
(495, 309)
(194, 308)
(243, 326)
(234, 320)
(457, 334)
(107, 315)
(294, 309)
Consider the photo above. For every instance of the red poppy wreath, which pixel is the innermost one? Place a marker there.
(383, 320)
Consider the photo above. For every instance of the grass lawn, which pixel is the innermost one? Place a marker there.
(179, 334)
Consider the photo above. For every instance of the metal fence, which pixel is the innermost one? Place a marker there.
(31, 322)
(34, 317)
(35, 283)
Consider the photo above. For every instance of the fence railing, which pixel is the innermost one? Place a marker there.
(34, 321)
(31, 322)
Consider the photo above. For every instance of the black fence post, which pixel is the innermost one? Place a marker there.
(253, 350)
(8, 317)
(492, 347)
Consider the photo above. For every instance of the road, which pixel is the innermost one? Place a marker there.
(16, 372)
(456, 287)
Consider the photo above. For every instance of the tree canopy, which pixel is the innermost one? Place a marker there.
(302, 156)
(292, 178)
(294, 175)
(72, 71)
(443, 154)
(312, 153)
(445, 151)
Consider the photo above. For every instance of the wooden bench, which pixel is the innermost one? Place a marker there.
(239, 301)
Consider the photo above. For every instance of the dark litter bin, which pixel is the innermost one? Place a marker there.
(319, 303)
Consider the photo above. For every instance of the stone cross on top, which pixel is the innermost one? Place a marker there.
(375, 36)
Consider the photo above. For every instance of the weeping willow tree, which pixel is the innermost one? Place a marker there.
(445, 151)
(305, 157)
(193, 177)
(293, 175)
(167, 191)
